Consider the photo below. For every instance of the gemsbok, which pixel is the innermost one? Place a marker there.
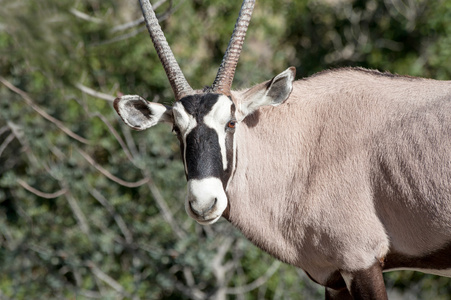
(345, 174)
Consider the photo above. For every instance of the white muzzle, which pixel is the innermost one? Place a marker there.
(206, 200)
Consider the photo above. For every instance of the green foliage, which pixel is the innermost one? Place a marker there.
(89, 209)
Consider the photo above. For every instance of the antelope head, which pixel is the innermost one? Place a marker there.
(204, 121)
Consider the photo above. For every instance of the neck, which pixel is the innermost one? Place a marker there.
(261, 199)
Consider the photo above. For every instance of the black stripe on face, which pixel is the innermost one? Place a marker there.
(229, 144)
(203, 153)
(202, 149)
(199, 105)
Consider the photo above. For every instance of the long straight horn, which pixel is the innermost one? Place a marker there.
(226, 72)
(178, 82)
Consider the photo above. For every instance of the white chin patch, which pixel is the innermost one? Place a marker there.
(206, 200)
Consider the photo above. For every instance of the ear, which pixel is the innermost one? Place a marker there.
(140, 114)
(272, 92)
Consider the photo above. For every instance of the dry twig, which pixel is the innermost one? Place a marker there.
(117, 218)
(111, 176)
(256, 283)
(6, 142)
(79, 215)
(137, 22)
(94, 93)
(84, 16)
(40, 111)
(39, 193)
(107, 279)
(167, 214)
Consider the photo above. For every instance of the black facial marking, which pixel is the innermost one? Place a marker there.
(202, 150)
(229, 150)
(203, 153)
(176, 130)
(199, 105)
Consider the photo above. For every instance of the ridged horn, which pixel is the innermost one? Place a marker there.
(179, 84)
(226, 72)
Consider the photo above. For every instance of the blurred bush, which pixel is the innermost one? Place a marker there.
(89, 209)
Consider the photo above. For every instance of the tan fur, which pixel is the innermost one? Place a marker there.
(354, 165)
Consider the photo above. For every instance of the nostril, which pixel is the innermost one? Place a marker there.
(205, 200)
(212, 205)
(198, 211)
(194, 211)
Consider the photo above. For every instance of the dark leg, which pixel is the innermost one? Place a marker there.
(342, 294)
(368, 284)
(365, 284)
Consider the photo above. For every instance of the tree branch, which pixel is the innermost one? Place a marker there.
(116, 135)
(131, 145)
(256, 283)
(120, 38)
(192, 293)
(107, 279)
(6, 142)
(39, 193)
(111, 176)
(40, 111)
(94, 93)
(139, 21)
(4, 129)
(169, 11)
(104, 120)
(117, 218)
(167, 214)
(220, 270)
(19, 134)
(128, 25)
(81, 219)
(84, 16)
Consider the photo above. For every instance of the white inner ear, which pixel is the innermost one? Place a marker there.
(273, 92)
(248, 106)
(141, 114)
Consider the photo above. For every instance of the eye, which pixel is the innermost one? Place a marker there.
(231, 124)
(175, 129)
